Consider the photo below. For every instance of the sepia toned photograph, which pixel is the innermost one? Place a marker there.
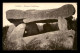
(39, 26)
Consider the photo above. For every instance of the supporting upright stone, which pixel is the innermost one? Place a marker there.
(40, 26)
(10, 29)
(47, 27)
(17, 32)
(62, 23)
(54, 26)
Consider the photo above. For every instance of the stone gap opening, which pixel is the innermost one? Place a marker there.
(32, 27)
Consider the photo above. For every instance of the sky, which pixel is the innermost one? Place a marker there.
(27, 6)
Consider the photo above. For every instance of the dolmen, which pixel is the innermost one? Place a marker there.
(53, 34)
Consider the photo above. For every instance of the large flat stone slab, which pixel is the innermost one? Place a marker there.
(35, 15)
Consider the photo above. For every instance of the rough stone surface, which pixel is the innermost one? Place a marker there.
(58, 40)
(34, 15)
(10, 29)
(62, 23)
(40, 26)
(17, 32)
